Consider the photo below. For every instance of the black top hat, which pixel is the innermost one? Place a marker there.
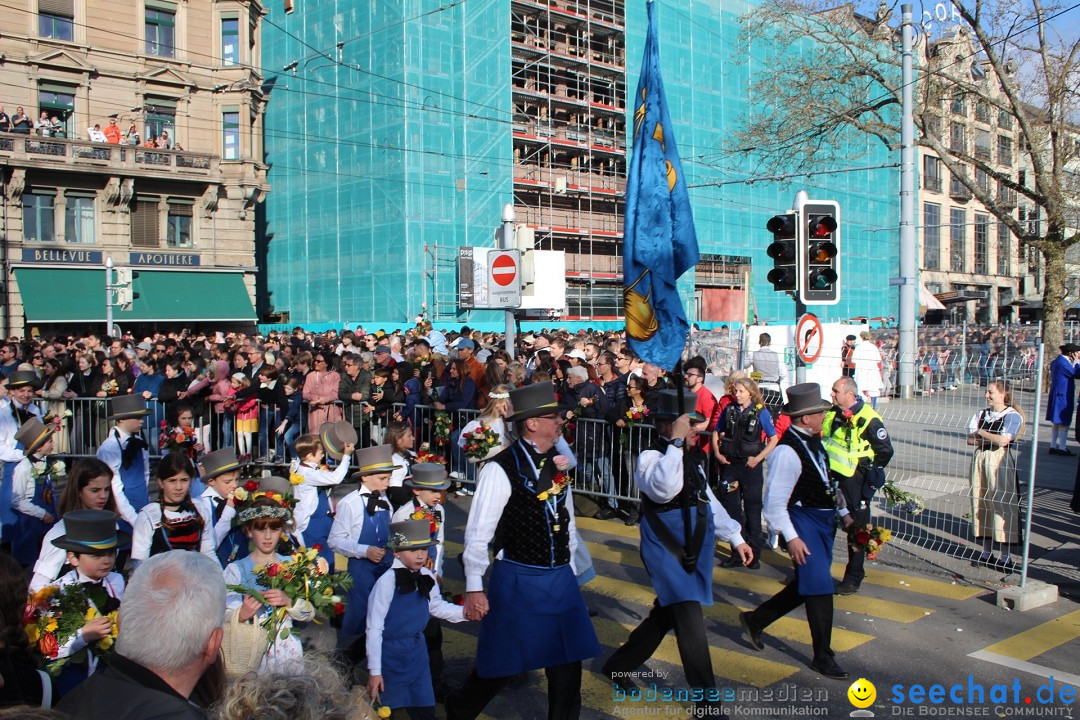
(804, 399)
(533, 400)
(1067, 349)
(410, 535)
(335, 436)
(33, 433)
(123, 407)
(90, 531)
(428, 476)
(374, 460)
(667, 405)
(21, 378)
(219, 462)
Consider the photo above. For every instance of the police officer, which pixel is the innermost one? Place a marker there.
(858, 446)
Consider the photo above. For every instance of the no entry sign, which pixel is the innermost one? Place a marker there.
(504, 278)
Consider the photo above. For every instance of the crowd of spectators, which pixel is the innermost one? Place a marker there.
(51, 126)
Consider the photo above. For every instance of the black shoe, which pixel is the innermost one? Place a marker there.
(828, 668)
(1068, 453)
(751, 635)
(605, 512)
(631, 519)
(1055, 451)
(732, 560)
(846, 588)
(755, 564)
(625, 684)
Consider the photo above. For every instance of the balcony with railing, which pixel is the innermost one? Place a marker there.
(93, 157)
(959, 191)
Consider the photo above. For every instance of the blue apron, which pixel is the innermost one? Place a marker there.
(133, 479)
(376, 532)
(7, 512)
(404, 653)
(816, 527)
(29, 530)
(671, 582)
(537, 619)
(234, 546)
(319, 524)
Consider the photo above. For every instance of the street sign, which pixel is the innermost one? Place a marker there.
(809, 338)
(504, 279)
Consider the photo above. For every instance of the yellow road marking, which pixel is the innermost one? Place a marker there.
(1039, 639)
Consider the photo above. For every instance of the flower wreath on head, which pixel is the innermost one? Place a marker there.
(499, 395)
(249, 492)
(255, 512)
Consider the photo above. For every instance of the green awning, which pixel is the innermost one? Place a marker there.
(78, 295)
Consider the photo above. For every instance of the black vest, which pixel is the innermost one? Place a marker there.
(995, 426)
(742, 433)
(809, 490)
(694, 483)
(526, 531)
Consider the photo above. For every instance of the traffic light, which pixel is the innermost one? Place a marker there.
(785, 273)
(820, 274)
(125, 293)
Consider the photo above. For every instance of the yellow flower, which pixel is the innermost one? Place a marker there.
(33, 633)
(42, 596)
(106, 642)
(91, 613)
(542, 496)
(312, 554)
(418, 515)
(295, 478)
(384, 712)
(50, 626)
(240, 494)
(886, 536)
(328, 591)
(555, 489)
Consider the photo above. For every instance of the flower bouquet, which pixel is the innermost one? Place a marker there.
(443, 426)
(53, 616)
(425, 455)
(40, 469)
(902, 500)
(479, 442)
(56, 418)
(559, 482)
(636, 414)
(306, 579)
(249, 492)
(177, 439)
(427, 514)
(867, 538)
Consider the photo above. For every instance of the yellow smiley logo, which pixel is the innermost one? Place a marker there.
(862, 693)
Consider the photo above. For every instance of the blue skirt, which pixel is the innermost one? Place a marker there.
(671, 582)
(537, 619)
(816, 528)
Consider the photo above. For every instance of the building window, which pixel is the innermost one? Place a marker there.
(982, 145)
(958, 246)
(230, 135)
(1005, 151)
(39, 216)
(56, 19)
(160, 32)
(59, 102)
(145, 231)
(79, 219)
(161, 118)
(230, 41)
(956, 137)
(179, 227)
(932, 173)
(1005, 120)
(982, 180)
(982, 244)
(931, 236)
(957, 106)
(1004, 250)
(982, 111)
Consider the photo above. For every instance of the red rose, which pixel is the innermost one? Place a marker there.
(272, 570)
(862, 537)
(317, 547)
(164, 424)
(251, 486)
(48, 645)
(28, 614)
(459, 599)
(288, 577)
(339, 608)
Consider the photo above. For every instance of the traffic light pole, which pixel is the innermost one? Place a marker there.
(507, 243)
(908, 250)
(800, 366)
(108, 296)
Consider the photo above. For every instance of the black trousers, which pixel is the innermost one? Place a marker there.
(744, 504)
(819, 615)
(689, 624)
(564, 693)
(859, 509)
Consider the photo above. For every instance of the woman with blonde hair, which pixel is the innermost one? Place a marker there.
(494, 415)
(743, 437)
(995, 514)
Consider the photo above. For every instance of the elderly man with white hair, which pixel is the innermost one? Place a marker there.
(170, 633)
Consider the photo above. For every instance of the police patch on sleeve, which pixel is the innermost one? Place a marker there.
(881, 434)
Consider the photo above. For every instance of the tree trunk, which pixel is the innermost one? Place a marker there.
(1053, 301)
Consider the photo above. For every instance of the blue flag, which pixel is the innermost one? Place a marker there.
(659, 239)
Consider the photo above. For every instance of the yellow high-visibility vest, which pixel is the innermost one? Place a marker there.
(844, 444)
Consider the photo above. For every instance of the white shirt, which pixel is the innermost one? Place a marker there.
(785, 467)
(405, 513)
(398, 476)
(111, 453)
(349, 522)
(382, 594)
(307, 492)
(113, 583)
(492, 493)
(767, 362)
(23, 486)
(205, 505)
(660, 478)
(9, 426)
(149, 520)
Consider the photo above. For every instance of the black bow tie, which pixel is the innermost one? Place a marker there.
(134, 444)
(103, 601)
(545, 462)
(408, 581)
(21, 414)
(375, 501)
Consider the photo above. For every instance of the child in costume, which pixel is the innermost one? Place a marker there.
(314, 482)
(32, 490)
(173, 522)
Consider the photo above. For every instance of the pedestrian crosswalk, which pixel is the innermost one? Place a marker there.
(622, 594)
